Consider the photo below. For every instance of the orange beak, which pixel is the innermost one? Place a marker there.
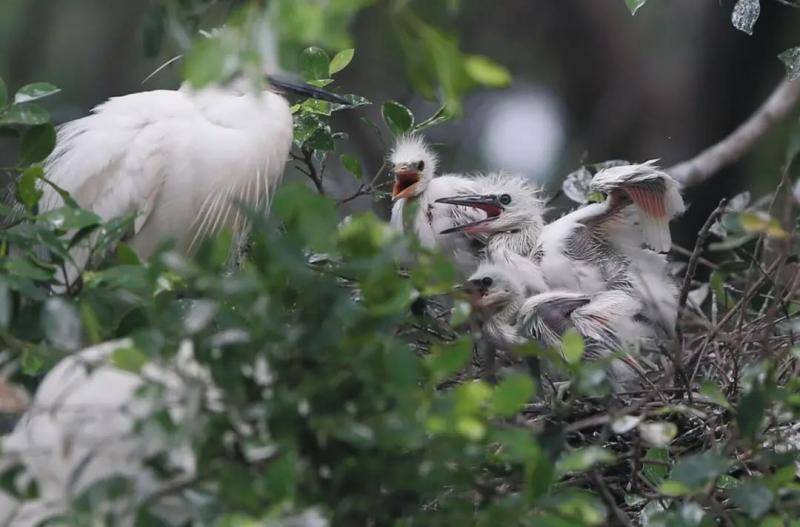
(405, 182)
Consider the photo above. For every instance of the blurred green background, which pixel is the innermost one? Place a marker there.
(590, 82)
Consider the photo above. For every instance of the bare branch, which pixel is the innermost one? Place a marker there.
(710, 161)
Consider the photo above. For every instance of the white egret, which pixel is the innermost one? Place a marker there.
(82, 427)
(595, 248)
(607, 321)
(180, 160)
(415, 191)
(418, 207)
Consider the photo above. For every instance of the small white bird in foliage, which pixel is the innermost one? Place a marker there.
(182, 161)
(607, 321)
(415, 191)
(593, 249)
(83, 427)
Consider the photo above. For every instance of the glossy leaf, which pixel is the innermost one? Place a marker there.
(315, 64)
(397, 117)
(27, 113)
(70, 218)
(35, 91)
(28, 191)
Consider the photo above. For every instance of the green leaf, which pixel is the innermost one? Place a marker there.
(445, 361)
(713, 392)
(487, 72)
(341, 60)
(752, 497)
(28, 113)
(37, 90)
(129, 359)
(70, 218)
(635, 5)
(28, 191)
(37, 143)
(205, 63)
(751, 409)
(791, 59)
(6, 306)
(398, 118)
(321, 139)
(698, 470)
(512, 394)
(583, 459)
(572, 346)
(26, 269)
(31, 363)
(3, 93)
(314, 64)
(656, 472)
(353, 165)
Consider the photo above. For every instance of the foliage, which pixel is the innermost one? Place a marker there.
(337, 396)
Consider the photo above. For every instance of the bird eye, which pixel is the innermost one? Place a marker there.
(486, 281)
(505, 199)
(421, 165)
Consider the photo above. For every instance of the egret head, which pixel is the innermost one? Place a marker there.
(510, 202)
(413, 164)
(493, 287)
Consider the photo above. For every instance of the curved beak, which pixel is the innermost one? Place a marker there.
(307, 90)
(489, 203)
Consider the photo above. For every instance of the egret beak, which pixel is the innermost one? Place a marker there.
(406, 179)
(307, 90)
(489, 203)
(475, 292)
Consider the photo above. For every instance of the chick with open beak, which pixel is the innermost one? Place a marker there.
(416, 189)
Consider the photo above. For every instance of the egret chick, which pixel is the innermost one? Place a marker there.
(415, 192)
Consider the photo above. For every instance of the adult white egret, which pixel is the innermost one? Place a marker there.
(181, 160)
(595, 248)
(82, 427)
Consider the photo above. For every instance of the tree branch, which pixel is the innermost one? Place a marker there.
(710, 161)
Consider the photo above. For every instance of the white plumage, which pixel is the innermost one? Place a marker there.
(81, 428)
(178, 160)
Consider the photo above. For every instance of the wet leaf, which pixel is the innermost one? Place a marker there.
(70, 218)
(398, 118)
(28, 113)
(32, 92)
(745, 15)
(341, 60)
(314, 63)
